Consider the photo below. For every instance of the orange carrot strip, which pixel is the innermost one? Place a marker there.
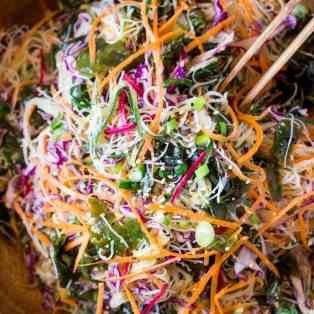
(167, 26)
(263, 258)
(200, 216)
(296, 201)
(100, 298)
(210, 33)
(131, 299)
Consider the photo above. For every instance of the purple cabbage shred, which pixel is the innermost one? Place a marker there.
(220, 14)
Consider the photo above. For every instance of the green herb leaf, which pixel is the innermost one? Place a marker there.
(178, 82)
(97, 207)
(273, 180)
(171, 53)
(80, 97)
(198, 20)
(57, 122)
(107, 57)
(131, 231)
(287, 310)
(129, 185)
(286, 134)
(254, 219)
(4, 110)
(63, 263)
(134, 106)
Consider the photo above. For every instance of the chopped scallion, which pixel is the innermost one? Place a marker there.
(137, 174)
(57, 122)
(254, 219)
(202, 139)
(300, 11)
(202, 171)
(199, 103)
(171, 125)
(204, 234)
(180, 169)
(223, 128)
(167, 221)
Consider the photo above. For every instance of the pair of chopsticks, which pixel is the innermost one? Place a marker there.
(307, 31)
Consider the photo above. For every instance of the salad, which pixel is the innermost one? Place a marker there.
(135, 175)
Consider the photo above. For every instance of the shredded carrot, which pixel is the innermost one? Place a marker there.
(263, 258)
(230, 289)
(199, 287)
(131, 299)
(144, 271)
(210, 33)
(63, 188)
(147, 146)
(100, 299)
(199, 216)
(170, 24)
(64, 297)
(232, 135)
(304, 228)
(155, 18)
(63, 191)
(296, 201)
(213, 287)
(263, 60)
(248, 164)
(232, 308)
(248, 11)
(163, 253)
(30, 228)
(73, 244)
(82, 249)
(41, 237)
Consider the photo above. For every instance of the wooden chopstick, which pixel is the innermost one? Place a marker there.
(267, 33)
(307, 31)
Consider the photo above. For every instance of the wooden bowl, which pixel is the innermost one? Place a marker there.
(17, 296)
